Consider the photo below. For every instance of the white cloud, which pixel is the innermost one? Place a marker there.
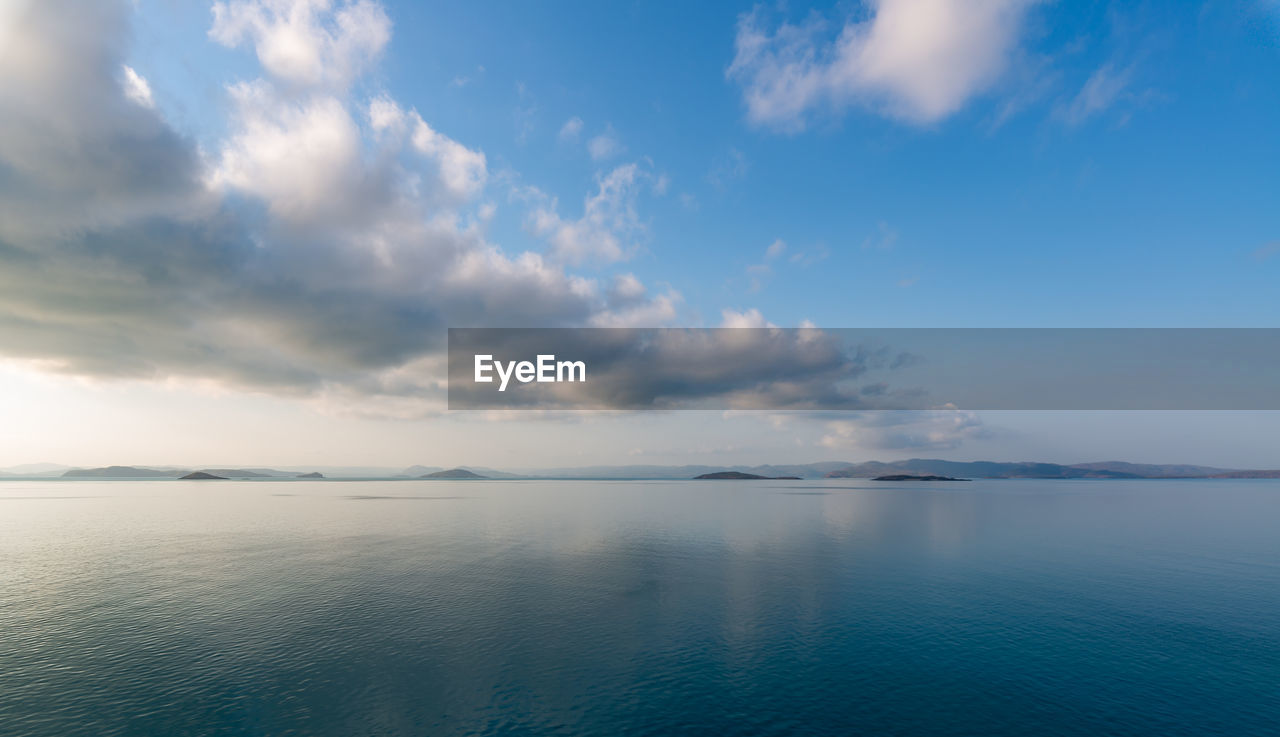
(748, 319)
(301, 158)
(638, 310)
(609, 225)
(308, 158)
(605, 146)
(627, 287)
(462, 169)
(306, 42)
(915, 60)
(775, 249)
(571, 129)
(136, 87)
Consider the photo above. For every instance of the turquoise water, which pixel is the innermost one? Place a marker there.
(640, 608)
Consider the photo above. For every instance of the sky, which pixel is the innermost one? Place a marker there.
(236, 232)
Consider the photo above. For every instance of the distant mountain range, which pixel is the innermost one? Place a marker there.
(121, 472)
(142, 472)
(914, 466)
(806, 471)
(993, 470)
(825, 469)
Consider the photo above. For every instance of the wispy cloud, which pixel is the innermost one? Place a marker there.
(605, 145)
(525, 114)
(810, 256)
(884, 239)
(609, 228)
(1106, 87)
(731, 166)
(571, 129)
(757, 274)
(462, 80)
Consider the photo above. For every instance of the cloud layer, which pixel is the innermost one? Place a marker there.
(320, 248)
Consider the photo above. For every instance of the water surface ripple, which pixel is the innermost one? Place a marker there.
(612, 608)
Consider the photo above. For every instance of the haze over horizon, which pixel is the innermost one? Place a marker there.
(924, 469)
(237, 231)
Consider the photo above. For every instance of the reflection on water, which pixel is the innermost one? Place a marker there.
(658, 608)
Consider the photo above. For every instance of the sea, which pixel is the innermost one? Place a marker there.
(835, 607)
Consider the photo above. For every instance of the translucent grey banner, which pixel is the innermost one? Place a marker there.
(864, 369)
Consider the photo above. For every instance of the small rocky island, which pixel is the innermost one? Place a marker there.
(312, 475)
(911, 477)
(202, 476)
(740, 476)
(453, 473)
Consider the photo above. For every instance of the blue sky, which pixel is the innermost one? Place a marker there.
(1144, 210)
(891, 163)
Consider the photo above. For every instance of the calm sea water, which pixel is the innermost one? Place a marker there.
(640, 608)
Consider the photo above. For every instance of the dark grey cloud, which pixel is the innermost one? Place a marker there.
(768, 368)
(680, 368)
